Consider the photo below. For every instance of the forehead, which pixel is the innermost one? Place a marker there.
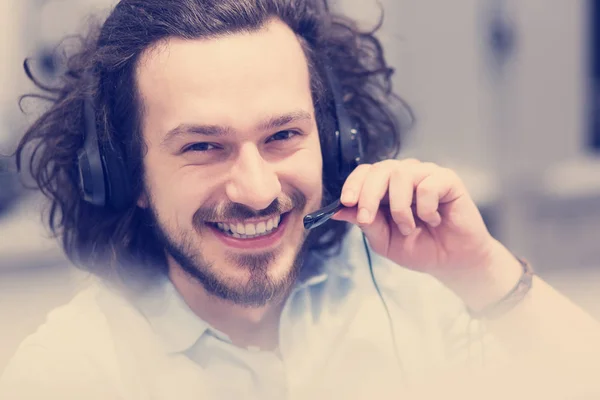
(233, 80)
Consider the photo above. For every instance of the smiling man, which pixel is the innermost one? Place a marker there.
(233, 161)
(184, 147)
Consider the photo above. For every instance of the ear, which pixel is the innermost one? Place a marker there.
(142, 201)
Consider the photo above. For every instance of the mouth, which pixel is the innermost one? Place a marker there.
(251, 234)
(249, 230)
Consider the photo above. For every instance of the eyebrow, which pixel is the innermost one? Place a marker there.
(282, 120)
(217, 130)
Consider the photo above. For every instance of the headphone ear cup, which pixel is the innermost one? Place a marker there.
(92, 188)
(92, 182)
(103, 176)
(330, 151)
(348, 141)
(351, 150)
(120, 190)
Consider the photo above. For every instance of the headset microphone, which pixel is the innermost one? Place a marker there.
(321, 216)
(349, 153)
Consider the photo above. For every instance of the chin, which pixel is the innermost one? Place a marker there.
(249, 271)
(275, 264)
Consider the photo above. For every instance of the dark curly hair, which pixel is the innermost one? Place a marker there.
(110, 243)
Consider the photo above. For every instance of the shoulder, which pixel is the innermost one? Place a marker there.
(74, 324)
(72, 349)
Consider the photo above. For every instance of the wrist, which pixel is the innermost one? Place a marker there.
(489, 282)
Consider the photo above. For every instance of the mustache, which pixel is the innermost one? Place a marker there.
(236, 211)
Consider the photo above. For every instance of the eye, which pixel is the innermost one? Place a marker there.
(283, 135)
(200, 147)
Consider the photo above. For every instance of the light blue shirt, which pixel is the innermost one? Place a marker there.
(335, 341)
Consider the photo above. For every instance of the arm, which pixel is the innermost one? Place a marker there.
(420, 216)
(553, 345)
(544, 322)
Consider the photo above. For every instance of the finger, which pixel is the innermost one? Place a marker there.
(374, 188)
(429, 193)
(353, 185)
(346, 214)
(403, 183)
(427, 207)
(401, 196)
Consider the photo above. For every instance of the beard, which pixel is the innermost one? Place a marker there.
(260, 288)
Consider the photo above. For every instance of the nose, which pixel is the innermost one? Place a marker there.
(253, 181)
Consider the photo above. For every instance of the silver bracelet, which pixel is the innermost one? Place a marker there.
(511, 299)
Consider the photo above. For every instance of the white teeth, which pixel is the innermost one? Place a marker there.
(243, 231)
(240, 228)
(250, 229)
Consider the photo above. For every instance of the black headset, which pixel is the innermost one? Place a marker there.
(349, 142)
(348, 151)
(104, 182)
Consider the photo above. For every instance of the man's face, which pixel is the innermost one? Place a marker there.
(234, 160)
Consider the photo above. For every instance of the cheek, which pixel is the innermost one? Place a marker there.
(306, 170)
(176, 194)
(312, 175)
(313, 165)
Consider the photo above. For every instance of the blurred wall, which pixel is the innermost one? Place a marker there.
(446, 71)
(10, 48)
(515, 130)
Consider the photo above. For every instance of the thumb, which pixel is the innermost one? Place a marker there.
(377, 232)
(348, 214)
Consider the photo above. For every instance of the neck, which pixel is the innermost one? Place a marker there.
(245, 326)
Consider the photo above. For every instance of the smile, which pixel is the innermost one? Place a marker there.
(251, 235)
(248, 230)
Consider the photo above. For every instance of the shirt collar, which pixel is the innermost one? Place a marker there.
(170, 317)
(321, 267)
(180, 328)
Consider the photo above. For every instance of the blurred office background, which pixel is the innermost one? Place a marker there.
(504, 91)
